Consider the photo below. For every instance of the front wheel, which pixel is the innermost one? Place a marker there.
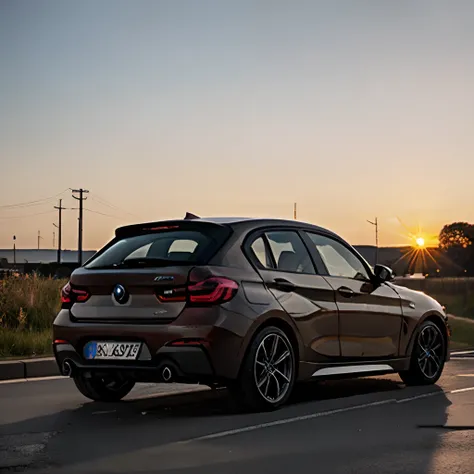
(428, 356)
(107, 388)
(268, 372)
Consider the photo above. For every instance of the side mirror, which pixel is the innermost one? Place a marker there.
(383, 273)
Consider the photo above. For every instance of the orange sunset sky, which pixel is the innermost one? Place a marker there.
(351, 109)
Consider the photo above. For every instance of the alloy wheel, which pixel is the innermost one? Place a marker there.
(273, 368)
(431, 351)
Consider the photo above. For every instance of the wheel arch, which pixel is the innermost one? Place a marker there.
(436, 318)
(281, 321)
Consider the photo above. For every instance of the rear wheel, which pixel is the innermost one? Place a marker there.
(428, 356)
(108, 388)
(268, 372)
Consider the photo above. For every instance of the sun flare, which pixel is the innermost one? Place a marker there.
(420, 242)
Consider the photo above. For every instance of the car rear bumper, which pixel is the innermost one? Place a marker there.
(186, 364)
(196, 353)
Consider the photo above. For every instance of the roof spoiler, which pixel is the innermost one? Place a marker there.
(136, 229)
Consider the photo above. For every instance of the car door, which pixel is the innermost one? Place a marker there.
(288, 271)
(370, 315)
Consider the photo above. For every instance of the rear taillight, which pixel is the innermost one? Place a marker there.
(71, 294)
(66, 293)
(214, 290)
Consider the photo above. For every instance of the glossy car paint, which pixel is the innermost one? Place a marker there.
(376, 325)
(369, 321)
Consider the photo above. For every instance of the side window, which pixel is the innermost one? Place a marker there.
(260, 252)
(289, 252)
(140, 252)
(183, 245)
(339, 260)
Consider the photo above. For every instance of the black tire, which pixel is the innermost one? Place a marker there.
(246, 391)
(427, 359)
(104, 389)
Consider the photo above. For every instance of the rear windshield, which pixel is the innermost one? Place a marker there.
(178, 247)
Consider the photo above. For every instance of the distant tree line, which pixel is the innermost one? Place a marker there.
(456, 244)
(454, 255)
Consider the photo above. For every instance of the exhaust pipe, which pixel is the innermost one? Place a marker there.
(67, 368)
(166, 373)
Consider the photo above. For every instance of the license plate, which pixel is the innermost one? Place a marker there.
(94, 350)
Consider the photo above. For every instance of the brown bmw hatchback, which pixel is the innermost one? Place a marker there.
(251, 304)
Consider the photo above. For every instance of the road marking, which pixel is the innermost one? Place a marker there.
(36, 379)
(458, 353)
(416, 397)
(460, 390)
(465, 375)
(295, 419)
(286, 421)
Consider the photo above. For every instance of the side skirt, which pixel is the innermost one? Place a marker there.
(354, 369)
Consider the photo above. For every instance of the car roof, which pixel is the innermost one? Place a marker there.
(258, 221)
(234, 222)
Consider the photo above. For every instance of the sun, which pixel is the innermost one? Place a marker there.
(420, 242)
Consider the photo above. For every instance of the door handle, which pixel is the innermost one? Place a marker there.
(346, 292)
(284, 284)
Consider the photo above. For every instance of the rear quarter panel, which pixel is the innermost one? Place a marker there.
(253, 307)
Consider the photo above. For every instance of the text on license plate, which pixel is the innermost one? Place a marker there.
(112, 350)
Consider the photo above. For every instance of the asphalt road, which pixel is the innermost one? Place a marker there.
(358, 426)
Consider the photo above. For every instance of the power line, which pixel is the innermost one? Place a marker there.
(104, 214)
(36, 202)
(106, 203)
(26, 215)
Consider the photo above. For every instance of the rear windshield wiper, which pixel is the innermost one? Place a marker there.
(144, 262)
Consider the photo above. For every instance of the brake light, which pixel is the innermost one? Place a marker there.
(66, 293)
(213, 290)
(71, 294)
(163, 227)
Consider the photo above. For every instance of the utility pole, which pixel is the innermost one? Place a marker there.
(59, 227)
(376, 224)
(14, 251)
(54, 239)
(39, 238)
(294, 211)
(81, 199)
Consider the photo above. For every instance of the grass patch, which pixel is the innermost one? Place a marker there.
(462, 334)
(457, 294)
(16, 343)
(29, 302)
(28, 306)
(460, 305)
